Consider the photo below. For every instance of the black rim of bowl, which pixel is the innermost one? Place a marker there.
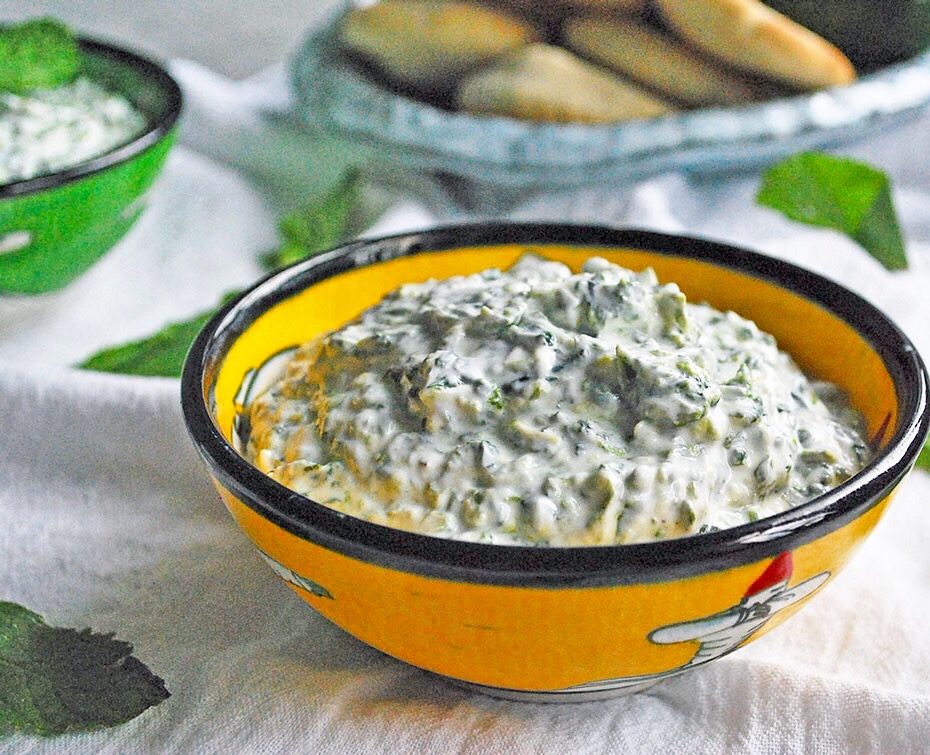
(544, 566)
(156, 128)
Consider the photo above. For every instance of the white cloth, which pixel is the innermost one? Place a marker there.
(109, 521)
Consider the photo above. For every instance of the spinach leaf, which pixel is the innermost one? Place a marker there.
(55, 680)
(832, 192)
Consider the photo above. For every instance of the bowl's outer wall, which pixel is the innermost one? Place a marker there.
(527, 638)
(72, 225)
(533, 634)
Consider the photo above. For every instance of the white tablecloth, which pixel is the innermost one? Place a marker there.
(109, 521)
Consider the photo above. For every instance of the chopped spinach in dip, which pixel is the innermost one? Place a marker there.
(47, 130)
(535, 406)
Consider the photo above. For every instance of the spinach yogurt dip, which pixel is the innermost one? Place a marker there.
(47, 130)
(540, 407)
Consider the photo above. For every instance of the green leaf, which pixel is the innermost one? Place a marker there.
(317, 227)
(832, 192)
(923, 459)
(304, 233)
(159, 355)
(55, 680)
(37, 54)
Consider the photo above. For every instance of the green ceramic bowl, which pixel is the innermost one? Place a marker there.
(55, 226)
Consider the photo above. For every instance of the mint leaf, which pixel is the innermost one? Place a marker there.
(923, 458)
(55, 680)
(159, 355)
(37, 54)
(304, 233)
(832, 192)
(317, 227)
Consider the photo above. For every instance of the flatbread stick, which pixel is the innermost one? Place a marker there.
(547, 83)
(657, 60)
(427, 44)
(754, 37)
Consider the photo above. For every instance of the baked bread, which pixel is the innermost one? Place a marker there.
(657, 60)
(756, 38)
(428, 44)
(546, 83)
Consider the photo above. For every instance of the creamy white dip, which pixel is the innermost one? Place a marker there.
(535, 406)
(52, 129)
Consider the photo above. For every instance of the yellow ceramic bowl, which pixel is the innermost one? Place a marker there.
(556, 623)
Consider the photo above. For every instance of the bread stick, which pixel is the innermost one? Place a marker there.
(656, 60)
(754, 37)
(547, 83)
(427, 44)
